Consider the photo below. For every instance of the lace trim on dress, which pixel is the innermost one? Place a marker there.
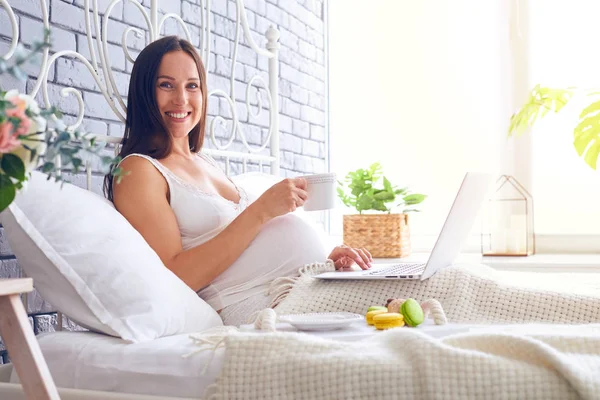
(240, 191)
(241, 205)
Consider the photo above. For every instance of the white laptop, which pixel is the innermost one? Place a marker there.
(457, 226)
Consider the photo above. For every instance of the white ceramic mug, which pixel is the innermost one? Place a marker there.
(321, 191)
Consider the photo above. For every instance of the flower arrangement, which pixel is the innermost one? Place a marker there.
(31, 137)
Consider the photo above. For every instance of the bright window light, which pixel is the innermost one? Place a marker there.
(422, 87)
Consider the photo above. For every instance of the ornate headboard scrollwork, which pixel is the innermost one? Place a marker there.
(100, 67)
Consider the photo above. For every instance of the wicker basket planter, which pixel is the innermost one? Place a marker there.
(384, 235)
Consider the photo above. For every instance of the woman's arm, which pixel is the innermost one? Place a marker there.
(141, 197)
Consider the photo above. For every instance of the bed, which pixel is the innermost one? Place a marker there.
(89, 365)
(158, 368)
(170, 367)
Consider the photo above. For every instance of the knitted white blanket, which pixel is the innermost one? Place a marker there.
(406, 364)
(469, 293)
(538, 362)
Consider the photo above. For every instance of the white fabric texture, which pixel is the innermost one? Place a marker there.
(468, 293)
(561, 363)
(528, 361)
(283, 245)
(91, 264)
(242, 312)
(92, 361)
(200, 215)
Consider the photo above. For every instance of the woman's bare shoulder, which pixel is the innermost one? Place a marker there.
(140, 177)
(142, 198)
(135, 162)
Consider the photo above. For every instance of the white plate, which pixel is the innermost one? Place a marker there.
(321, 321)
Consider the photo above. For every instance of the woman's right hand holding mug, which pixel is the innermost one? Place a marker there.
(281, 198)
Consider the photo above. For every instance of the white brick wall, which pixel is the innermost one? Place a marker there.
(302, 81)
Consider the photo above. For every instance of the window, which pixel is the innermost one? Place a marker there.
(424, 88)
(563, 45)
(428, 88)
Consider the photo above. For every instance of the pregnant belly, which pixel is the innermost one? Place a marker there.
(283, 245)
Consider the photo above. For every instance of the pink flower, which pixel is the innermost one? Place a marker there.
(18, 111)
(9, 136)
(8, 140)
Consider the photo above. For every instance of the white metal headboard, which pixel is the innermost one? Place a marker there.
(104, 77)
(102, 73)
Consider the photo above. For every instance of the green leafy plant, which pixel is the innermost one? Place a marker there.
(361, 193)
(31, 137)
(542, 100)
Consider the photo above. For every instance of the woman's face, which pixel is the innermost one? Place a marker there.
(178, 93)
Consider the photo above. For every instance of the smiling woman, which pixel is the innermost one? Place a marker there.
(199, 222)
(147, 126)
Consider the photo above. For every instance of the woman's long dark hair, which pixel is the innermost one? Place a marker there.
(145, 132)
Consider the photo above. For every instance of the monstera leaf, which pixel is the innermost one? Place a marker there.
(541, 101)
(587, 134)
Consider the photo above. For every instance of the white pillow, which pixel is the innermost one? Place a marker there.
(92, 265)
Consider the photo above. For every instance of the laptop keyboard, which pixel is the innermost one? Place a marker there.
(400, 269)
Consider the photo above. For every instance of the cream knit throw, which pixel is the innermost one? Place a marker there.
(469, 293)
(406, 364)
(553, 362)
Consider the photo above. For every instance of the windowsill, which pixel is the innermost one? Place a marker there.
(546, 263)
(589, 263)
(576, 262)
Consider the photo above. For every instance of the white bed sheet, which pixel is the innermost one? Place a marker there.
(87, 360)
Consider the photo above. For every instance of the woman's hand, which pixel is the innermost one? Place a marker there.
(282, 198)
(344, 257)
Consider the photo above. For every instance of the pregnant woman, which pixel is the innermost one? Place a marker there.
(202, 225)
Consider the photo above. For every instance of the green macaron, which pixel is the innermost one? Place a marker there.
(377, 308)
(412, 312)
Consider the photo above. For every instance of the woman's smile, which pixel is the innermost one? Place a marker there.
(178, 93)
(178, 116)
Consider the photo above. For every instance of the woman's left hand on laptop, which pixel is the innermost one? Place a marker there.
(344, 257)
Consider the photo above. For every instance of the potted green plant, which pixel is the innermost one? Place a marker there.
(375, 227)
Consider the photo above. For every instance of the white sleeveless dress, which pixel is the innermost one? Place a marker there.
(282, 246)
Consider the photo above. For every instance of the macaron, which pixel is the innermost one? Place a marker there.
(388, 320)
(377, 308)
(371, 314)
(412, 312)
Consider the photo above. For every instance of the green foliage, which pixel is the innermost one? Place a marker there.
(13, 166)
(68, 146)
(362, 193)
(586, 134)
(21, 58)
(541, 101)
(8, 191)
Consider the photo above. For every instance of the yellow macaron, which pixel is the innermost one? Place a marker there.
(373, 313)
(388, 320)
